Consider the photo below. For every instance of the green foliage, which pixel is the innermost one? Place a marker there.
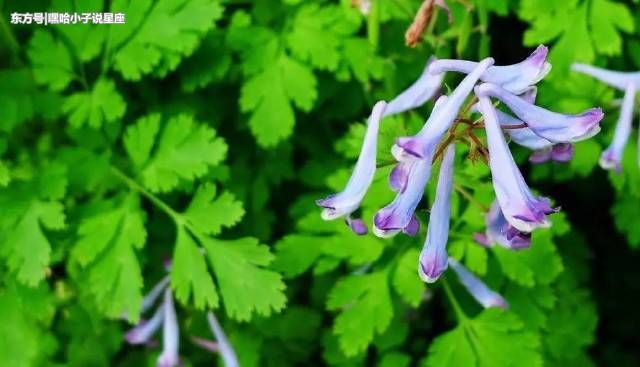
(201, 132)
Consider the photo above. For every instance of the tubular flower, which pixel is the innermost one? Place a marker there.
(501, 232)
(476, 287)
(521, 209)
(347, 201)
(417, 94)
(423, 145)
(555, 127)
(515, 78)
(170, 337)
(516, 212)
(616, 79)
(226, 350)
(612, 156)
(433, 257)
(397, 216)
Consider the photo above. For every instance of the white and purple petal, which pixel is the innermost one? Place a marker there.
(555, 127)
(562, 152)
(612, 156)
(417, 94)
(348, 200)
(227, 352)
(170, 333)
(423, 144)
(433, 257)
(477, 288)
(616, 79)
(520, 207)
(515, 78)
(144, 330)
(501, 232)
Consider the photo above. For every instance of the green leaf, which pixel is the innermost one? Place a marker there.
(208, 213)
(366, 310)
(25, 314)
(606, 19)
(189, 273)
(103, 104)
(625, 212)
(246, 286)
(184, 151)
(157, 35)
(493, 338)
(395, 359)
(405, 278)
(106, 248)
(17, 92)
(23, 242)
(269, 96)
(51, 61)
(522, 267)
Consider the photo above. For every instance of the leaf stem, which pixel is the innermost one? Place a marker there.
(460, 315)
(469, 197)
(134, 185)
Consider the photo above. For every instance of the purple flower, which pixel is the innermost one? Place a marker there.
(616, 79)
(347, 201)
(144, 330)
(170, 333)
(521, 209)
(154, 293)
(357, 226)
(226, 350)
(417, 94)
(433, 257)
(399, 175)
(612, 156)
(501, 232)
(444, 113)
(476, 287)
(555, 127)
(397, 216)
(515, 78)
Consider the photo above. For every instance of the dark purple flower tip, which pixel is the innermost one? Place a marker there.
(384, 220)
(413, 227)
(326, 202)
(500, 303)
(431, 267)
(411, 146)
(357, 226)
(482, 239)
(398, 177)
(517, 239)
(609, 160)
(562, 152)
(539, 56)
(540, 156)
(167, 262)
(133, 336)
(591, 118)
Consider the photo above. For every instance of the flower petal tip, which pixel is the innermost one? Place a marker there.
(357, 226)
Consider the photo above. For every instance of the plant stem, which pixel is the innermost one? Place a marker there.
(469, 197)
(460, 315)
(134, 185)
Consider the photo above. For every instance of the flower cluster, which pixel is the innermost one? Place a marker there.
(165, 316)
(516, 212)
(627, 82)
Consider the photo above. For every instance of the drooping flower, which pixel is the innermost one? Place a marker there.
(515, 78)
(555, 127)
(612, 156)
(521, 208)
(346, 202)
(397, 215)
(433, 257)
(501, 232)
(417, 93)
(615, 79)
(423, 144)
(227, 352)
(144, 330)
(476, 287)
(170, 334)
